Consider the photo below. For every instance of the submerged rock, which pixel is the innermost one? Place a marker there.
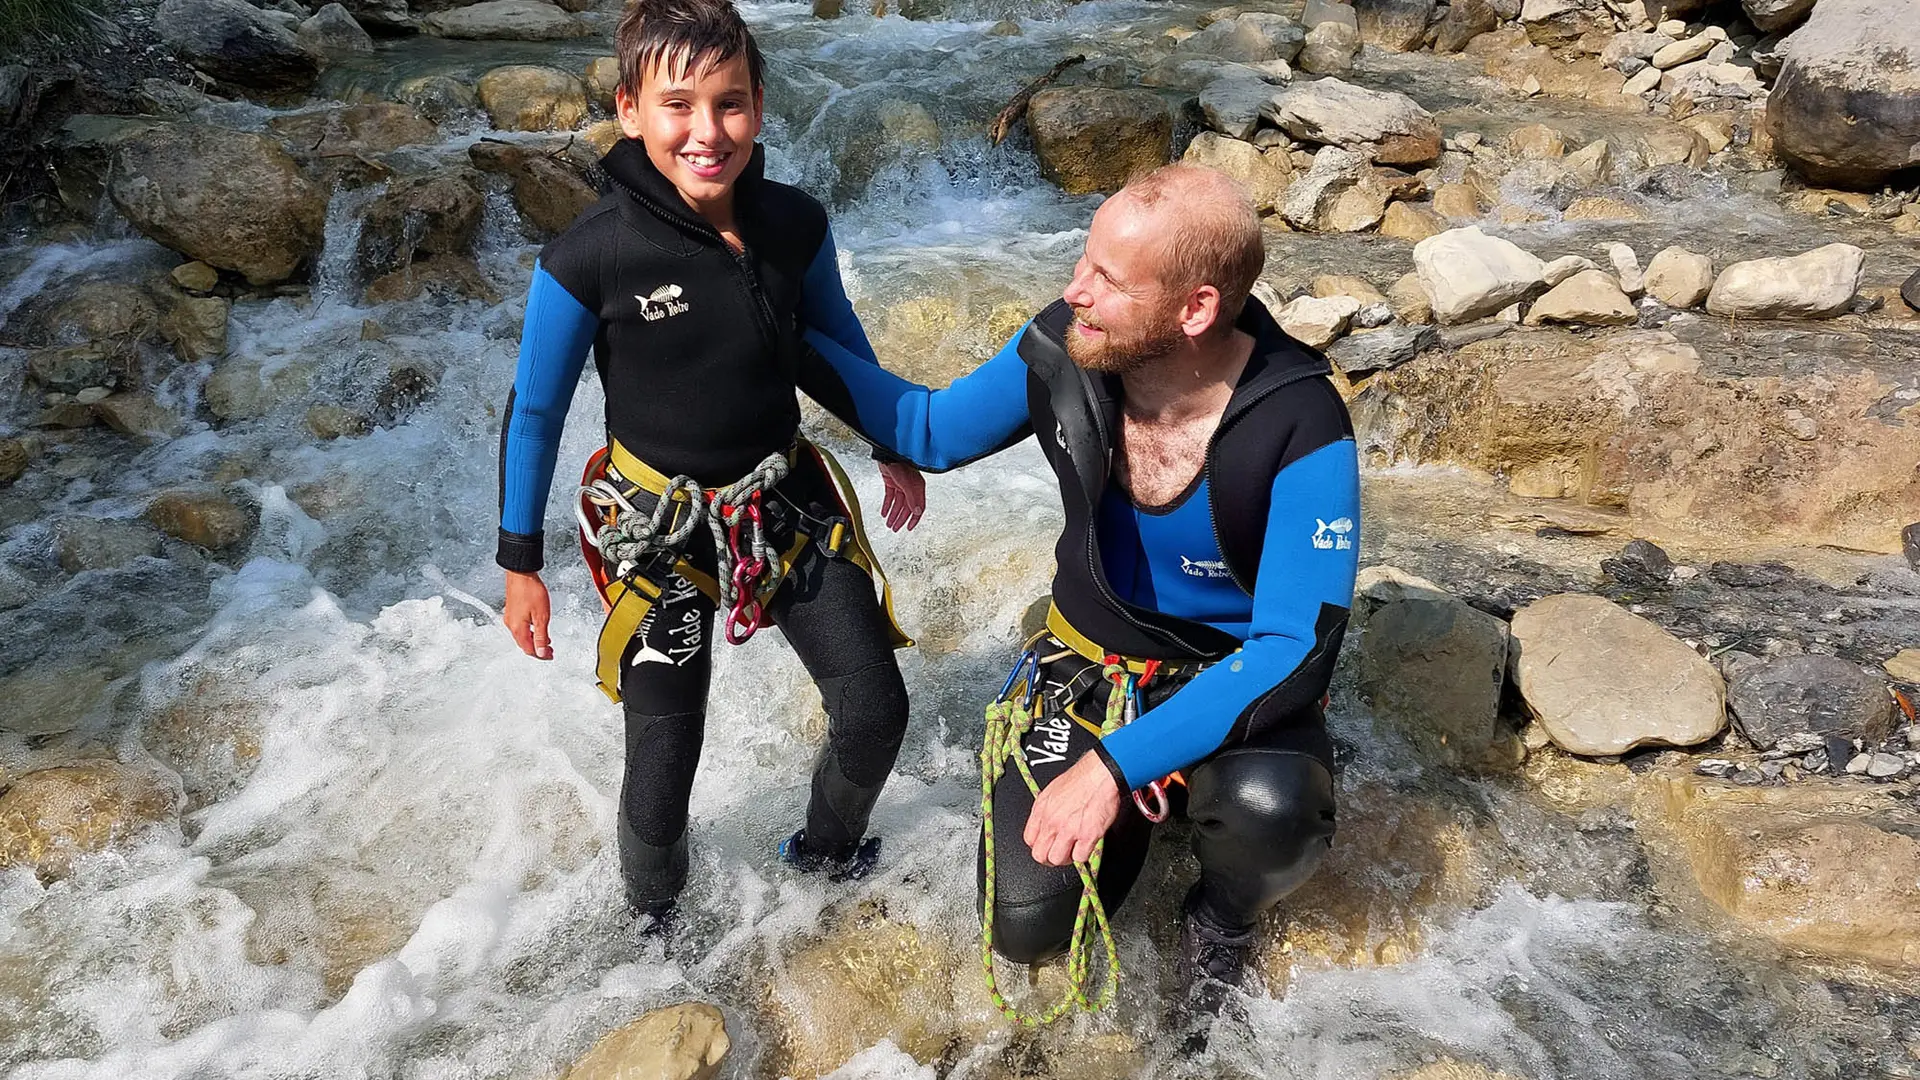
(1092, 139)
(51, 817)
(680, 1042)
(1845, 109)
(227, 198)
(202, 517)
(531, 97)
(1602, 680)
(1822, 695)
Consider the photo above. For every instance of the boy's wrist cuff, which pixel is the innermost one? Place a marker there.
(521, 552)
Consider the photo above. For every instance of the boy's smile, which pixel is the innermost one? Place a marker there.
(698, 124)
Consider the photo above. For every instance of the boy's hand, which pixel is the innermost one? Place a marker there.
(1072, 813)
(906, 495)
(526, 614)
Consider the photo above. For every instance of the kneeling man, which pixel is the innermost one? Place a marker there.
(1210, 484)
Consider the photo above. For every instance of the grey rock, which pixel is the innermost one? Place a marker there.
(1910, 292)
(1816, 762)
(506, 20)
(1251, 38)
(333, 33)
(1776, 14)
(384, 16)
(1910, 541)
(1886, 766)
(1372, 316)
(1718, 768)
(235, 42)
(1232, 105)
(437, 96)
(1641, 563)
(1378, 350)
(1845, 110)
(1431, 665)
(83, 543)
(13, 92)
(1858, 766)
(1334, 170)
(1399, 25)
(1824, 695)
(1321, 11)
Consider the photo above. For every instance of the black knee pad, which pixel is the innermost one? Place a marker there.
(866, 719)
(1034, 931)
(1282, 796)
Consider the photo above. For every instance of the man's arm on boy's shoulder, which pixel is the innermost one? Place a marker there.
(1300, 605)
(554, 342)
(981, 413)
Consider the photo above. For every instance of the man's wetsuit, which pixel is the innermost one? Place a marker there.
(697, 346)
(1250, 571)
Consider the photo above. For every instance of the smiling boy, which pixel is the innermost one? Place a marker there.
(691, 283)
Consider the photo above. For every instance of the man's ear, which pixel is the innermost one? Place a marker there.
(1201, 311)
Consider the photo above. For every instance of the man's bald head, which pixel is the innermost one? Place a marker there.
(1204, 228)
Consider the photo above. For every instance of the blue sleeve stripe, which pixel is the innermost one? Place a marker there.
(554, 342)
(934, 429)
(1309, 561)
(824, 305)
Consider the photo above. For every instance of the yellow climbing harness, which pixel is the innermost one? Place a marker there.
(632, 554)
(1009, 717)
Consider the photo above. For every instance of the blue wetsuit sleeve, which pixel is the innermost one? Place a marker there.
(554, 342)
(984, 411)
(824, 305)
(1300, 604)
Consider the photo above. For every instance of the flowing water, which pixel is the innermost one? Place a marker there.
(396, 859)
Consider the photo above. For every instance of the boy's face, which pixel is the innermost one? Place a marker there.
(698, 126)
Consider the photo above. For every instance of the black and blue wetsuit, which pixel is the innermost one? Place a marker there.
(1250, 571)
(698, 346)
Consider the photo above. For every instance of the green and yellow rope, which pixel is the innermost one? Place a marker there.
(1008, 721)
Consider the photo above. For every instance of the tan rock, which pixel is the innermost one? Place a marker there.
(1409, 300)
(1819, 867)
(1905, 666)
(1818, 284)
(1602, 208)
(200, 516)
(601, 79)
(1449, 1069)
(1264, 175)
(1536, 142)
(15, 455)
(51, 817)
(1603, 680)
(1591, 165)
(1714, 129)
(1359, 288)
(197, 327)
(530, 97)
(367, 128)
(1093, 139)
(1588, 298)
(1565, 267)
(440, 275)
(1317, 322)
(1456, 202)
(1411, 222)
(195, 277)
(139, 416)
(1356, 209)
(549, 191)
(680, 1042)
(334, 422)
(1679, 278)
(1469, 274)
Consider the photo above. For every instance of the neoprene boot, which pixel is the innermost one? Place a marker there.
(653, 876)
(837, 816)
(1213, 958)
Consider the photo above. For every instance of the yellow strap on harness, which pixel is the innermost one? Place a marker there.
(1059, 627)
(629, 600)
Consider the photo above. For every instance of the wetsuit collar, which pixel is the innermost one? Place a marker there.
(633, 172)
(1277, 358)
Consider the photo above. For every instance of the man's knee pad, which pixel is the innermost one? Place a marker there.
(866, 719)
(1032, 931)
(1263, 821)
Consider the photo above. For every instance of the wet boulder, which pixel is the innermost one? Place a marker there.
(1092, 139)
(231, 199)
(334, 34)
(15, 455)
(549, 190)
(1555, 23)
(344, 131)
(1430, 665)
(1231, 104)
(1845, 110)
(531, 97)
(1390, 128)
(1679, 278)
(84, 543)
(437, 97)
(505, 20)
(1470, 275)
(1818, 695)
(73, 368)
(197, 327)
(1816, 285)
(201, 516)
(83, 152)
(432, 214)
(1396, 25)
(106, 312)
(381, 16)
(453, 277)
(236, 43)
(602, 78)
(139, 416)
(52, 817)
(680, 1042)
(1603, 680)
(1251, 38)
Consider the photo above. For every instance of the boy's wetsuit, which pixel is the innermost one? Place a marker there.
(1251, 572)
(697, 347)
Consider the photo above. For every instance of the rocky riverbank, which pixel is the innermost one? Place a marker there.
(1616, 306)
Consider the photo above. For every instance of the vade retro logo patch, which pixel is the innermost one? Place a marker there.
(1335, 535)
(661, 303)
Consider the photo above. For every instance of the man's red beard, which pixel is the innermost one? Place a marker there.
(1115, 354)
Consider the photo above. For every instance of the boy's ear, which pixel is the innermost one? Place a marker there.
(627, 111)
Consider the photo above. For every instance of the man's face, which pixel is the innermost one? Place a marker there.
(698, 127)
(1124, 316)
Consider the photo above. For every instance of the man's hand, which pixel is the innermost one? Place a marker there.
(906, 495)
(1072, 812)
(527, 612)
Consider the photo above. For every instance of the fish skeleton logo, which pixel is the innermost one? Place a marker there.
(1204, 568)
(660, 303)
(1060, 434)
(1333, 535)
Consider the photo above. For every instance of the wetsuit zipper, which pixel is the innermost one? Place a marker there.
(768, 326)
(1213, 485)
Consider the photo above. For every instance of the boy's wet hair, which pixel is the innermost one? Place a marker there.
(679, 36)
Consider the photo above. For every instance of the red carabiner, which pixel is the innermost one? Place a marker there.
(747, 614)
(1161, 809)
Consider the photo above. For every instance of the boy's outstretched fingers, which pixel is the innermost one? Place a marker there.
(527, 612)
(906, 495)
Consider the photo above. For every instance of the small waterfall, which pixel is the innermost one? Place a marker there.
(336, 273)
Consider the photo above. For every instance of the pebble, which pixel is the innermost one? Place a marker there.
(1801, 742)
(1750, 777)
(1372, 316)
(1773, 770)
(1859, 764)
(1884, 766)
(92, 394)
(1720, 768)
(1815, 762)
